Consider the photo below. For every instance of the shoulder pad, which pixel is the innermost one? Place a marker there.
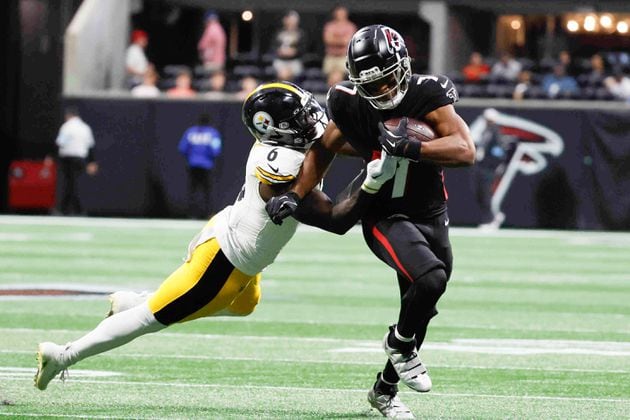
(436, 85)
(277, 165)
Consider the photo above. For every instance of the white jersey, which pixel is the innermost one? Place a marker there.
(246, 234)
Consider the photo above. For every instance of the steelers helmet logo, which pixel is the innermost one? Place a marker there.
(262, 121)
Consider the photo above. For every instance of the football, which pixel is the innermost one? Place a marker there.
(416, 129)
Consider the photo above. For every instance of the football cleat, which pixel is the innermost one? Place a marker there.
(121, 301)
(50, 361)
(409, 367)
(389, 405)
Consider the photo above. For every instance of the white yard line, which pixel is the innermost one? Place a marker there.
(119, 355)
(597, 236)
(294, 389)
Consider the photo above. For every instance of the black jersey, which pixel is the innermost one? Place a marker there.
(417, 189)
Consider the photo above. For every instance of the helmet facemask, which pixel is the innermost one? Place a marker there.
(386, 88)
(301, 129)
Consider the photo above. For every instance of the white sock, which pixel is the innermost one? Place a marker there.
(401, 338)
(113, 332)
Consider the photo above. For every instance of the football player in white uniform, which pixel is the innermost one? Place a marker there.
(221, 273)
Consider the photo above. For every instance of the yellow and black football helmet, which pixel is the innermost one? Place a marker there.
(282, 113)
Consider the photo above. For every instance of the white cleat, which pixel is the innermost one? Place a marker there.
(409, 368)
(389, 406)
(123, 300)
(50, 361)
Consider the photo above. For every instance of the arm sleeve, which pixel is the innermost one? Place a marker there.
(318, 210)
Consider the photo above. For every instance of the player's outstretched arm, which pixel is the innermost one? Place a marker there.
(318, 210)
(315, 165)
(454, 145)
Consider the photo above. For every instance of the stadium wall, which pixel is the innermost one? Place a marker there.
(582, 183)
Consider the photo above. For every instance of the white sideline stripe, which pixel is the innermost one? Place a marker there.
(119, 355)
(612, 346)
(20, 372)
(101, 222)
(338, 390)
(49, 237)
(198, 224)
(74, 416)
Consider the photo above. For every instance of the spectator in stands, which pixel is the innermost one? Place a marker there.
(618, 84)
(337, 34)
(559, 83)
(288, 46)
(76, 155)
(507, 68)
(564, 58)
(136, 60)
(523, 85)
(335, 76)
(212, 44)
(182, 87)
(598, 71)
(148, 88)
(217, 85)
(247, 85)
(476, 69)
(201, 146)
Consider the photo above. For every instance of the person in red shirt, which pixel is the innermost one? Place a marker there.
(212, 44)
(182, 87)
(476, 69)
(337, 34)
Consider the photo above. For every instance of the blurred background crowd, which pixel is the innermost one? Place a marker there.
(578, 56)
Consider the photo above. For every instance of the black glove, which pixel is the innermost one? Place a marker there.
(282, 206)
(397, 143)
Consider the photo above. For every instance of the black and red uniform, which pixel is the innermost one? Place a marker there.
(407, 226)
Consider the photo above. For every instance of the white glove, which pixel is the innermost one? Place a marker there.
(379, 171)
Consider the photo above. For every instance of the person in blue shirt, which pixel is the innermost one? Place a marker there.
(559, 83)
(201, 146)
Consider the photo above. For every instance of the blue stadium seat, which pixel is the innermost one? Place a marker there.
(166, 83)
(311, 73)
(315, 86)
(201, 72)
(172, 70)
(246, 70)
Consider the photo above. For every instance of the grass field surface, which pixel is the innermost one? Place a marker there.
(534, 325)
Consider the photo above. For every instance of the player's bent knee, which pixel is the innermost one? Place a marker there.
(434, 282)
(242, 308)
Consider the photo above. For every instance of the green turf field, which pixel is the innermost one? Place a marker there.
(534, 325)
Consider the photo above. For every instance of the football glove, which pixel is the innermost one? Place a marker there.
(397, 143)
(379, 171)
(282, 206)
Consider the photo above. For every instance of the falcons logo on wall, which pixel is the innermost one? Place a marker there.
(520, 146)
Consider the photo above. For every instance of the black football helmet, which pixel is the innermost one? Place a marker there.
(281, 113)
(379, 65)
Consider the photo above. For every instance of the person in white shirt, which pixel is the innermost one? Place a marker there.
(135, 59)
(75, 144)
(507, 68)
(618, 84)
(222, 272)
(148, 88)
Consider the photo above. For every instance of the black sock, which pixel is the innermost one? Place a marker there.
(389, 374)
(383, 387)
(402, 346)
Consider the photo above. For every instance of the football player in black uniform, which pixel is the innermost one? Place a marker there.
(407, 226)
